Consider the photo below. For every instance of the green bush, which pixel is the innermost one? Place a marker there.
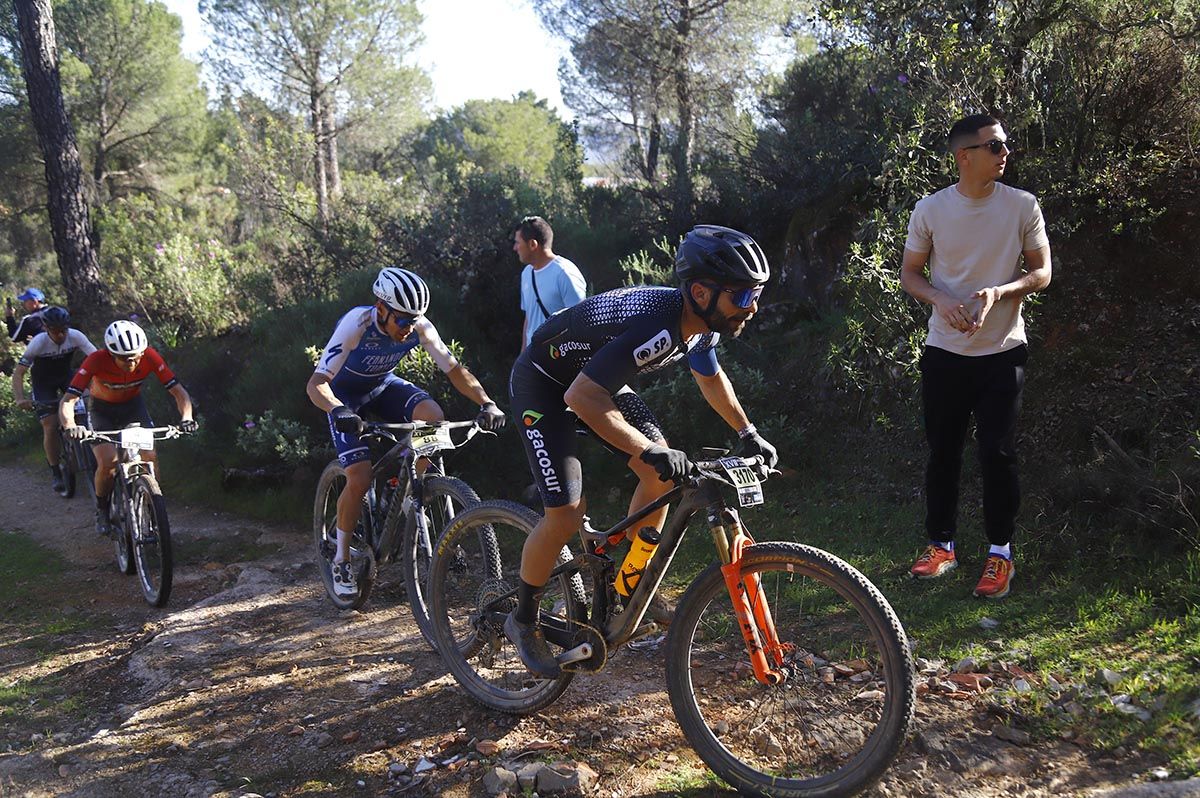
(269, 438)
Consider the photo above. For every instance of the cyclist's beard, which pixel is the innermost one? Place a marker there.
(727, 326)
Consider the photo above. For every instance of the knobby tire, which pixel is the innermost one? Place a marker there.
(821, 733)
(151, 536)
(415, 558)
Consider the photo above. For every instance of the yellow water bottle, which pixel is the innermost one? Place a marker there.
(640, 552)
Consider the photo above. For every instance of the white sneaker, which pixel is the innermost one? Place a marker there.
(345, 581)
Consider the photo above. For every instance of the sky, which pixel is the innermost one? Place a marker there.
(474, 49)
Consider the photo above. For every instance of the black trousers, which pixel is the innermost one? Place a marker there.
(954, 388)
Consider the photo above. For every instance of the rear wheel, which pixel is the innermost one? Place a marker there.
(834, 723)
(150, 533)
(329, 488)
(444, 498)
(472, 588)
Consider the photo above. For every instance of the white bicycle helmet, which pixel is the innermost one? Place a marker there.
(402, 291)
(125, 338)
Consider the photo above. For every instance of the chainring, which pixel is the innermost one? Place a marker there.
(594, 663)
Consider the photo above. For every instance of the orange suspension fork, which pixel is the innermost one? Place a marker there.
(749, 603)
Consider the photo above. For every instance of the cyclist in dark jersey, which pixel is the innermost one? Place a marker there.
(114, 377)
(50, 360)
(580, 362)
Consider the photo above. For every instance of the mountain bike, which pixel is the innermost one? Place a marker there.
(137, 512)
(787, 670)
(75, 458)
(403, 511)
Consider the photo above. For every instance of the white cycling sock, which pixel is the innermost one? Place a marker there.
(948, 545)
(342, 535)
(1004, 551)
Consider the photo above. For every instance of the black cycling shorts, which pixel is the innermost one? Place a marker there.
(118, 415)
(549, 431)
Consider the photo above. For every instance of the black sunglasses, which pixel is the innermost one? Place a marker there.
(995, 146)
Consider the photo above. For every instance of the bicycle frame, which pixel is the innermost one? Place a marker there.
(386, 512)
(750, 605)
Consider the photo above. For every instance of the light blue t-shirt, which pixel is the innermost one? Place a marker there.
(559, 284)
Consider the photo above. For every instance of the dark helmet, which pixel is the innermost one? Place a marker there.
(56, 317)
(721, 254)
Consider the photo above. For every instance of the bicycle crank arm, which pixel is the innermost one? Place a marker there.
(579, 653)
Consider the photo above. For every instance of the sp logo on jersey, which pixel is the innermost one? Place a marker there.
(653, 348)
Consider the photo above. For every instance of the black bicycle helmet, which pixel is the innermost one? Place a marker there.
(717, 253)
(56, 317)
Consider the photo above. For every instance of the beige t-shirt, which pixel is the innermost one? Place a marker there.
(974, 244)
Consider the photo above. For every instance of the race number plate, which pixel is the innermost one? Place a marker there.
(428, 441)
(137, 438)
(749, 489)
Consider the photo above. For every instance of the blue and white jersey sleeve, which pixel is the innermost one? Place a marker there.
(346, 337)
(433, 344)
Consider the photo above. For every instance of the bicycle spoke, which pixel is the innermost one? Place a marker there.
(837, 711)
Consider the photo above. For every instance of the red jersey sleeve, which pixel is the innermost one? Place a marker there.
(87, 369)
(158, 367)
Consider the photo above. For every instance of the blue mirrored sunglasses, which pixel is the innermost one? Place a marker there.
(400, 319)
(742, 297)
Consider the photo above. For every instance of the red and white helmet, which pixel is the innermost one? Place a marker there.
(402, 291)
(125, 338)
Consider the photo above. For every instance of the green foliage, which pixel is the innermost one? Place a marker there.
(523, 135)
(269, 438)
(181, 285)
(418, 367)
(136, 102)
(646, 267)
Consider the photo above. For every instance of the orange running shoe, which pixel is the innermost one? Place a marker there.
(933, 562)
(997, 573)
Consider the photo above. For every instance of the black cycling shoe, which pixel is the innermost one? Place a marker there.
(531, 647)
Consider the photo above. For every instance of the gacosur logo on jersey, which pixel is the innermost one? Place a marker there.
(549, 475)
(568, 346)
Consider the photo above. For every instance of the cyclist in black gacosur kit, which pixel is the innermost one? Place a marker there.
(580, 362)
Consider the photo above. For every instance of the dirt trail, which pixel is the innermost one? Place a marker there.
(250, 682)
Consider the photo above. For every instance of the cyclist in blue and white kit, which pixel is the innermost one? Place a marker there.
(582, 359)
(355, 375)
(50, 360)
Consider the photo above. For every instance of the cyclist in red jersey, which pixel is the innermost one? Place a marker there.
(114, 377)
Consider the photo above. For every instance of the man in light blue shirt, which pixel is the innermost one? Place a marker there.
(549, 282)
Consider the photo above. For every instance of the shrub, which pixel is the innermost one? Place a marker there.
(268, 438)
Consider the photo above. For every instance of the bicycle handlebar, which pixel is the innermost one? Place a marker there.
(373, 426)
(113, 435)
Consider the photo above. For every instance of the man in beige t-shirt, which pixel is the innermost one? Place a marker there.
(985, 247)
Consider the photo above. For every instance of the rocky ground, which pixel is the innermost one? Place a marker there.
(250, 682)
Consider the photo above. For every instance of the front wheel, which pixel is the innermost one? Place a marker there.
(68, 464)
(834, 723)
(443, 499)
(150, 533)
(329, 488)
(472, 588)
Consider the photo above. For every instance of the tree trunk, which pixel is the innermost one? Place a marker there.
(74, 238)
(682, 151)
(331, 147)
(320, 184)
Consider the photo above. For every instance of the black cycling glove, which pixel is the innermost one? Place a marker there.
(672, 465)
(346, 421)
(490, 417)
(188, 425)
(754, 444)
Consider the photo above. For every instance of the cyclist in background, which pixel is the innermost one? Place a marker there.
(355, 375)
(582, 360)
(114, 376)
(34, 302)
(49, 358)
